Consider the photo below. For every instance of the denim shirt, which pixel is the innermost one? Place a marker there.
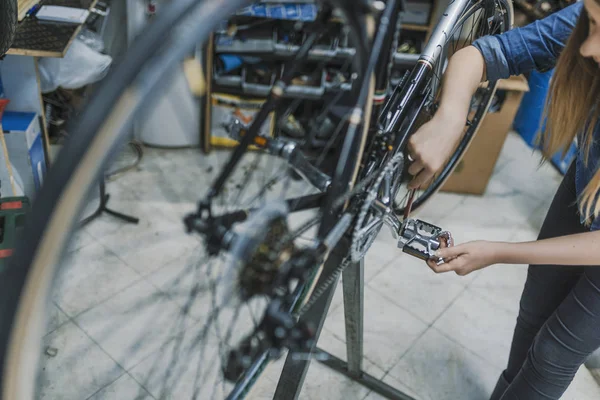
(537, 47)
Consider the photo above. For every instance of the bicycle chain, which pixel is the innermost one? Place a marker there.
(336, 204)
(320, 291)
(333, 277)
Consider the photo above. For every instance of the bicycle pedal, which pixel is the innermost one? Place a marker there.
(421, 239)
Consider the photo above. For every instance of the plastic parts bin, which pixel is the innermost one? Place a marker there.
(13, 211)
(528, 120)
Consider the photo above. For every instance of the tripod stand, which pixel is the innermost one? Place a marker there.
(102, 208)
(294, 372)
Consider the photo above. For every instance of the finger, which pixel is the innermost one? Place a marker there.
(412, 143)
(441, 268)
(415, 168)
(422, 178)
(456, 264)
(443, 242)
(450, 252)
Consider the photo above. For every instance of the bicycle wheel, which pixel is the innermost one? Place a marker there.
(482, 18)
(8, 24)
(199, 321)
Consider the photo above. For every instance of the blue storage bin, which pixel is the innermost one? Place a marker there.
(528, 120)
(562, 164)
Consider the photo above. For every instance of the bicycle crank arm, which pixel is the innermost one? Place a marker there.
(421, 239)
(388, 216)
(290, 152)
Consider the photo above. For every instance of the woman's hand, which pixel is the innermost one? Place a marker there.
(431, 146)
(466, 258)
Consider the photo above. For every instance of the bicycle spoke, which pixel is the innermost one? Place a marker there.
(459, 36)
(185, 322)
(225, 342)
(249, 172)
(475, 24)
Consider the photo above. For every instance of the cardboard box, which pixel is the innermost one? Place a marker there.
(23, 137)
(8, 186)
(224, 107)
(474, 171)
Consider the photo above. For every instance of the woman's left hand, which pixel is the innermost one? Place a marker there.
(466, 258)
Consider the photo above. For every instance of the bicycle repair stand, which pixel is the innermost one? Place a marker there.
(102, 208)
(294, 371)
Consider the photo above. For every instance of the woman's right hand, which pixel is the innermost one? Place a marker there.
(432, 145)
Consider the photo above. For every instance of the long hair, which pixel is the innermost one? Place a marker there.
(572, 110)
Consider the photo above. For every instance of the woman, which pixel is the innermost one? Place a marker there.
(559, 319)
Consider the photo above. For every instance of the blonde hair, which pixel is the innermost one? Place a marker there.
(572, 110)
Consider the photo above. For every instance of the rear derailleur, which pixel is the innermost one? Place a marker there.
(277, 331)
(265, 265)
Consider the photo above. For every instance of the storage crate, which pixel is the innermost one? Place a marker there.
(417, 12)
(528, 121)
(13, 211)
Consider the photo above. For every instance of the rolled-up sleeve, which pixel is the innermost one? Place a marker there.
(532, 47)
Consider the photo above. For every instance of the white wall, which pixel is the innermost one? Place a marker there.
(176, 118)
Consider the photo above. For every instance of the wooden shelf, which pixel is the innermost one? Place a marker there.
(412, 27)
(44, 39)
(24, 6)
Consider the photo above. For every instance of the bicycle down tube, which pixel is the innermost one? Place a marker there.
(423, 71)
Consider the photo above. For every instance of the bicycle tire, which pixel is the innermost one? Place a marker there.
(26, 282)
(467, 139)
(8, 24)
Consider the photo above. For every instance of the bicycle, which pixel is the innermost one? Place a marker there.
(256, 258)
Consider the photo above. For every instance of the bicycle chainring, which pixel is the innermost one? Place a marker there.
(369, 221)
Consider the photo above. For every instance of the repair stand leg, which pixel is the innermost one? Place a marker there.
(353, 284)
(103, 208)
(294, 370)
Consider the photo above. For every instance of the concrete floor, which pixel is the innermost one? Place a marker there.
(435, 337)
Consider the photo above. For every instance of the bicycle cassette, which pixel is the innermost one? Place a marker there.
(421, 239)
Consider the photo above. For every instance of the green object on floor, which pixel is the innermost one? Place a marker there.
(13, 211)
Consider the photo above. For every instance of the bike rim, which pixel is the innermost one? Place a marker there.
(26, 333)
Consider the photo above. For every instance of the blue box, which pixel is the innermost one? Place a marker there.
(285, 11)
(528, 121)
(25, 145)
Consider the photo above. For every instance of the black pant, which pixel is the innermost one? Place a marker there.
(558, 325)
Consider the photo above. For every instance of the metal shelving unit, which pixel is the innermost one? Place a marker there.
(269, 42)
(272, 42)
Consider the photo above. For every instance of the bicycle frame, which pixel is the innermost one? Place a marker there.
(400, 104)
(427, 65)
